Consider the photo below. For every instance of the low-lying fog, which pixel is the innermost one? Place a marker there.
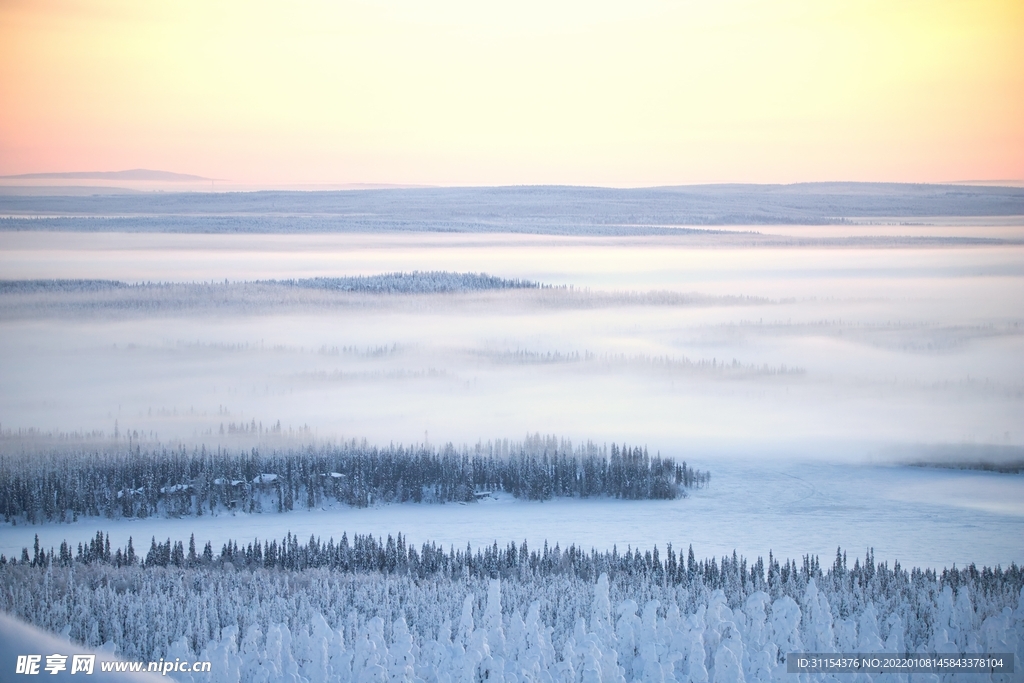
(827, 352)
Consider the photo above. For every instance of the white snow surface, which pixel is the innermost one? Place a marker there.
(920, 516)
(651, 643)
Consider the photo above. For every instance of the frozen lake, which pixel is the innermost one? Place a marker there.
(921, 517)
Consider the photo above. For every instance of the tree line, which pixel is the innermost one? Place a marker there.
(132, 482)
(396, 556)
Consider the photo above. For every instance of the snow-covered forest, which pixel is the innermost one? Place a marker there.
(415, 282)
(386, 283)
(64, 484)
(88, 297)
(506, 614)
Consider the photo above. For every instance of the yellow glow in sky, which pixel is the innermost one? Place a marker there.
(646, 92)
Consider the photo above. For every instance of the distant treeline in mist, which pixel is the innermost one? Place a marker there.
(19, 298)
(415, 282)
(1016, 467)
(1003, 458)
(32, 298)
(409, 283)
(77, 285)
(133, 482)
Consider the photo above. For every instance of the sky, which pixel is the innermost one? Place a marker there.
(456, 92)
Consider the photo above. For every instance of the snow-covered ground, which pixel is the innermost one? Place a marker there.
(921, 517)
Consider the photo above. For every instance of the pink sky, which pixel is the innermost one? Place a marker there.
(467, 93)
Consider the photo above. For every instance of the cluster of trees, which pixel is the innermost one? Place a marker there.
(19, 298)
(416, 282)
(32, 298)
(661, 364)
(430, 282)
(135, 483)
(728, 620)
(32, 286)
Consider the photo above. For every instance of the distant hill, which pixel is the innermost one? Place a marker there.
(132, 174)
(524, 209)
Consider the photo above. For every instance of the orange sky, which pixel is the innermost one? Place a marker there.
(647, 92)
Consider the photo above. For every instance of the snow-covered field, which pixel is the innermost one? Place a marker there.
(921, 517)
